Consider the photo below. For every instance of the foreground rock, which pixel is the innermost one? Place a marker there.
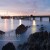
(1, 32)
(37, 41)
(9, 46)
(21, 29)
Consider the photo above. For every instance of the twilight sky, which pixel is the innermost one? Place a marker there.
(24, 7)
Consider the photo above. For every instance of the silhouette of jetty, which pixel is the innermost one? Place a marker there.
(22, 17)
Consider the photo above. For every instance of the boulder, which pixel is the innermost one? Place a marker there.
(37, 41)
(1, 32)
(21, 29)
(9, 46)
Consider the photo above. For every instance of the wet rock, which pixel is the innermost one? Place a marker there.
(37, 41)
(9, 46)
(1, 32)
(21, 29)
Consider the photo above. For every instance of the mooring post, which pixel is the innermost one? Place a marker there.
(49, 19)
(41, 19)
(33, 18)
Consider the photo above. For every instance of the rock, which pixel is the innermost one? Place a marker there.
(9, 46)
(1, 32)
(21, 29)
(37, 41)
(37, 25)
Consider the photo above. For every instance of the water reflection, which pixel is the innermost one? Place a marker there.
(20, 21)
(34, 22)
(5, 25)
(12, 24)
(33, 26)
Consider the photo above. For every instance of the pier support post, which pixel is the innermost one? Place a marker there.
(49, 19)
(41, 19)
(33, 18)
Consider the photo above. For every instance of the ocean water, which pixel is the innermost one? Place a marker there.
(9, 26)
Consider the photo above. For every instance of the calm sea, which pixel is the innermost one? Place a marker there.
(9, 26)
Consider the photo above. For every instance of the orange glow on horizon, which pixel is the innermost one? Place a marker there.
(14, 13)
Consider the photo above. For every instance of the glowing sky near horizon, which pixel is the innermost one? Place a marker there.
(24, 7)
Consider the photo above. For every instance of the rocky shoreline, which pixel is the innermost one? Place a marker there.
(37, 41)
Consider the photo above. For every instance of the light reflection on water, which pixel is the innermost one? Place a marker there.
(33, 26)
(5, 25)
(20, 21)
(34, 22)
(12, 25)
